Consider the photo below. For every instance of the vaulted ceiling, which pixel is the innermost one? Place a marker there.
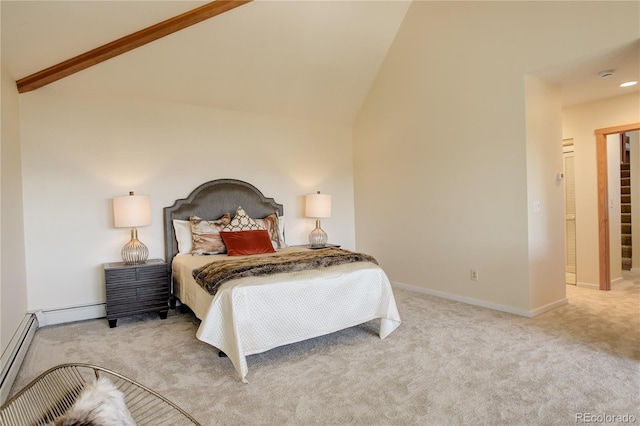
(306, 59)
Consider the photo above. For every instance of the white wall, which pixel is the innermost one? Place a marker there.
(545, 193)
(440, 145)
(13, 284)
(579, 123)
(80, 151)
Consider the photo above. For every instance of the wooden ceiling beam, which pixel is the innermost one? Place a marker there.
(125, 44)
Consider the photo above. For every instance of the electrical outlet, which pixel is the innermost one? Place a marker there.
(474, 275)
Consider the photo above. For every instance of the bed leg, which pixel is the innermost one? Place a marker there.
(222, 354)
(172, 302)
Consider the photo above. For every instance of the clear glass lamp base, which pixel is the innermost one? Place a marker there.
(134, 252)
(317, 237)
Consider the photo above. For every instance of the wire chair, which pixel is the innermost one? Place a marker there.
(53, 392)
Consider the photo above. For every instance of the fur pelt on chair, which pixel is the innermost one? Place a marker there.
(99, 404)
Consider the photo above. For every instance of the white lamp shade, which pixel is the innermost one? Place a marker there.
(318, 205)
(130, 211)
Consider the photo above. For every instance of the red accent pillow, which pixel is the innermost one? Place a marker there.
(240, 243)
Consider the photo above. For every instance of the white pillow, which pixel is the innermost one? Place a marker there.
(182, 230)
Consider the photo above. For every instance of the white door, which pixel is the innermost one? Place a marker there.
(570, 213)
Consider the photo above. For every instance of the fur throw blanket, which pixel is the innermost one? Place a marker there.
(99, 404)
(212, 275)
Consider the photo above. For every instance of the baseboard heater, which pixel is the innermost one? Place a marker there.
(13, 356)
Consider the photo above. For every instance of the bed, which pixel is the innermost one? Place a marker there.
(253, 314)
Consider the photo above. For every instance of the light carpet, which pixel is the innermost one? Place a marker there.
(447, 364)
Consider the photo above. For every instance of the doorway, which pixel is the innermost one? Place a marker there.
(629, 207)
(569, 211)
(604, 247)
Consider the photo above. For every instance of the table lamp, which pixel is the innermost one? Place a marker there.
(318, 206)
(131, 211)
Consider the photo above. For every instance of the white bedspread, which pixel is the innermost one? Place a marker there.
(254, 314)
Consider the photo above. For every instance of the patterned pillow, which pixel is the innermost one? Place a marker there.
(206, 235)
(281, 232)
(242, 222)
(272, 224)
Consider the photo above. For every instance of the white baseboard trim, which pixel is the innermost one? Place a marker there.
(588, 285)
(17, 349)
(13, 356)
(482, 303)
(597, 286)
(547, 308)
(71, 314)
(617, 281)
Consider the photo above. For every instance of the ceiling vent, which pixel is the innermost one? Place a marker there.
(606, 73)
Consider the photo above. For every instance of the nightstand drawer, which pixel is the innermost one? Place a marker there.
(121, 308)
(136, 273)
(135, 294)
(124, 285)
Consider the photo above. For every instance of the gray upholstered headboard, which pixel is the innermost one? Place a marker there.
(212, 200)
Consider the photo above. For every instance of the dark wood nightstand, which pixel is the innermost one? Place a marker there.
(136, 289)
